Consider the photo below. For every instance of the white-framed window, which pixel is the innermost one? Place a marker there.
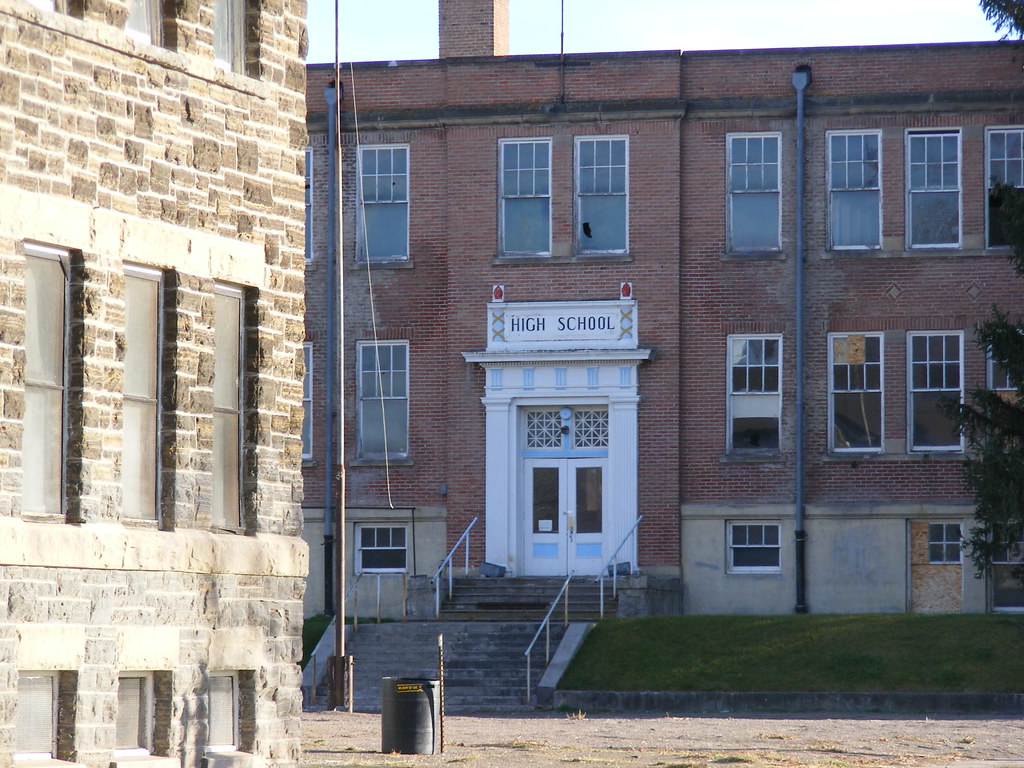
(141, 412)
(933, 189)
(46, 339)
(602, 189)
(855, 197)
(229, 34)
(307, 402)
(143, 22)
(1007, 594)
(222, 733)
(383, 398)
(754, 192)
(383, 226)
(134, 731)
(754, 548)
(227, 406)
(309, 205)
(999, 378)
(1005, 147)
(855, 389)
(525, 196)
(35, 730)
(935, 362)
(755, 393)
(383, 549)
(944, 543)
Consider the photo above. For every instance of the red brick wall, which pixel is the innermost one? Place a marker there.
(691, 293)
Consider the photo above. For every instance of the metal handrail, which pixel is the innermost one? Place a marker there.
(448, 561)
(546, 623)
(615, 571)
(355, 603)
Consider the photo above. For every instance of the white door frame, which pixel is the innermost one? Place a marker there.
(602, 378)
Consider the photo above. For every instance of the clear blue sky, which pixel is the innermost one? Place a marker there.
(382, 30)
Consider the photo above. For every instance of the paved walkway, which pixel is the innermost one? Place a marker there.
(547, 740)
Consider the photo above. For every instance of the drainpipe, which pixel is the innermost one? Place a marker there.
(330, 96)
(801, 79)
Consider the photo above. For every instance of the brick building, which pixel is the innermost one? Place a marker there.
(151, 271)
(594, 283)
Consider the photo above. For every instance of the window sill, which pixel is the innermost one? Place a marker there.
(755, 572)
(403, 461)
(854, 458)
(140, 523)
(230, 759)
(754, 256)
(142, 761)
(751, 457)
(360, 264)
(579, 258)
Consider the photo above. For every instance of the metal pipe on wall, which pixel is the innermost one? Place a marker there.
(801, 79)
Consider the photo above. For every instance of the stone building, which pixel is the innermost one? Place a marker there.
(724, 291)
(151, 275)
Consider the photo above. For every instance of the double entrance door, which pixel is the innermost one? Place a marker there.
(565, 515)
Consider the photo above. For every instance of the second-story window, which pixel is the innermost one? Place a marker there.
(307, 402)
(854, 194)
(43, 432)
(144, 20)
(1005, 166)
(855, 379)
(383, 226)
(755, 398)
(933, 206)
(936, 375)
(602, 204)
(526, 197)
(141, 392)
(754, 192)
(227, 407)
(229, 34)
(383, 399)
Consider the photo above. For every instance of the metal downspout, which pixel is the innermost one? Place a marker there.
(801, 79)
(332, 246)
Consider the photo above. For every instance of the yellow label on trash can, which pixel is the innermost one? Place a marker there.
(408, 688)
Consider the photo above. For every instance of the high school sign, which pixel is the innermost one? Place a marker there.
(561, 325)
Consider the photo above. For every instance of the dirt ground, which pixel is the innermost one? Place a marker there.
(545, 740)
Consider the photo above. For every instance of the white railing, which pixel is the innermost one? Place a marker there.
(436, 578)
(612, 563)
(546, 624)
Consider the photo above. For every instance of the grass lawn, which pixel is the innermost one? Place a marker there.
(863, 652)
(312, 629)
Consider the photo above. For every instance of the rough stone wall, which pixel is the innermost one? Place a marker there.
(127, 152)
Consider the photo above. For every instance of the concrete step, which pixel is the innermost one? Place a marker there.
(522, 599)
(485, 667)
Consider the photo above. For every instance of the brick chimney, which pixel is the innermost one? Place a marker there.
(473, 28)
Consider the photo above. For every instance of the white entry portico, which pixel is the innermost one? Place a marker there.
(561, 404)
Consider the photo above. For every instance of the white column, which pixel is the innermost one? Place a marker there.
(499, 514)
(622, 467)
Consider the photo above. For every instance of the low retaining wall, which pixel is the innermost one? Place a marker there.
(852, 703)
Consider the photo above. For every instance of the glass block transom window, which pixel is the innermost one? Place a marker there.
(585, 428)
(591, 429)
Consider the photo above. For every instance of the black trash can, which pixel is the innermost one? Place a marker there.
(410, 711)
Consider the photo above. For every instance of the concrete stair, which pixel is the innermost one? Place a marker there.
(485, 669)
(480, 599)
